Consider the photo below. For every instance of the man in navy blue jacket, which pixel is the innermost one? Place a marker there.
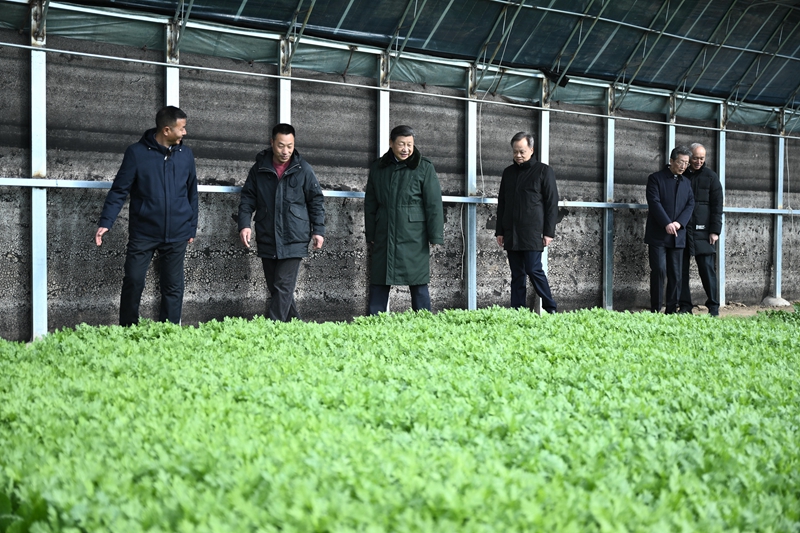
(670, 203)
(159, 174)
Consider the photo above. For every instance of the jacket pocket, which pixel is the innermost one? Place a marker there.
(298, 225)
(416, 214)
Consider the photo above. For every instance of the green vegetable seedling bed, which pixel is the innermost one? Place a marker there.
(492, 420)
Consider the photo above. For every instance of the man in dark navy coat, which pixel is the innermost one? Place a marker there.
(159, 174)
(670, 203)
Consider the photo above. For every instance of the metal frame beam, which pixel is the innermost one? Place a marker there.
(38, 170)
(438, 23)
(757, 61)
(503, 38)
(470, 219)
(579, 24)
(292, 38)
(608, 213)
(721, 171)
(647, 55)
(407, 37)
(777, 235)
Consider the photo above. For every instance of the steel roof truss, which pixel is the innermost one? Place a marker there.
(647, 55)
(756, 60)
(408, 36)
(502, 40)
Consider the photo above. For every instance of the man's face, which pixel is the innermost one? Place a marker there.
(522, 152)
(402, 147)
(679, 164)
(282, 147)
(173, 134)
(698, 158)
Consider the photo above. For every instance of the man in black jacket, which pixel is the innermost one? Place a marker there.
(159, 173)
(703, 231)
(527, 212)
(283, 192)
(670, 202)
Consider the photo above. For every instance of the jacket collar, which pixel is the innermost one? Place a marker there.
(149, 140)
(527, 164)
(412, 162)
(264, 159)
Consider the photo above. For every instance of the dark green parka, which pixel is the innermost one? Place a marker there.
(403, 213)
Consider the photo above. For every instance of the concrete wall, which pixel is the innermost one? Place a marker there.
(97, 107)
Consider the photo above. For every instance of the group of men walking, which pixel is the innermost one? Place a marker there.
(403, 217)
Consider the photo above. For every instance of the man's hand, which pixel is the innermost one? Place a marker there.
(546, 241)
(713, 238)
(98, 236)
(500, 241)
(244, 236)
(317, 241)
(672, 228)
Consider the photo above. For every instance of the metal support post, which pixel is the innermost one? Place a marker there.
(38, 170)
(777, 237)
(544, 157)
(721, 147)
(671, 127)
(384, 127)
(285, 84)
(608, 213)
(471, 217)
(172, 89)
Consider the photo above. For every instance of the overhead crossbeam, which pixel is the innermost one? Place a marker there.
(756, 61)
(502, 40)
(438, 23)
(563, 72)
(647, 55)
(179, 20)
(703, 52)
(407, 37)
(293, 37)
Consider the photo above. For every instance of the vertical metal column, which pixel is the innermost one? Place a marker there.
(608, 213)
(172, 75)
(285, 84)
(544, 157)
(384, 127)
(777, 235)
(38, 170)
(721, 151)
(471, 187)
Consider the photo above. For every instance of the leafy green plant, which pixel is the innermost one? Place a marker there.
(488, 420)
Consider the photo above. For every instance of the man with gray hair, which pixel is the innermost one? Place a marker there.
(670, 203)
(703, 231)
(527, 213)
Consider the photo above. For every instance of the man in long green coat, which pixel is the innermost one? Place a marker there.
(403, 214)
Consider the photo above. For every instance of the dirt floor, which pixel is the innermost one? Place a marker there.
(740, 310)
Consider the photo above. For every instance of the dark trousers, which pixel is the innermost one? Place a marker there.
(170, 265)
(281, 276)
(665, 262)
(379, 298)
(528, 264)
(707, 268)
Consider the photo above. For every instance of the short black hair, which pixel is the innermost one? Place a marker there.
(679, 150)
(401, 131)
(283, 129)
(523, 135)
(168, 116)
